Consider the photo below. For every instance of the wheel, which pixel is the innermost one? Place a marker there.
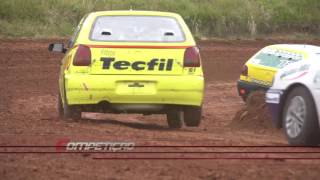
(299, 118)
(192, 116)
(60, 106)
(67, 112)
(248, 98)
(174, 119)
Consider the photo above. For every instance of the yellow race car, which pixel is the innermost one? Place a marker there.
(132, 62)
(258, 72)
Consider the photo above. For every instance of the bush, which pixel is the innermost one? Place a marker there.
(206, 18)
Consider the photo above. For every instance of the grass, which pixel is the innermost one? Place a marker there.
(206, 18)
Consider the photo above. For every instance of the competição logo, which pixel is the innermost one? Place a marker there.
(67, 145)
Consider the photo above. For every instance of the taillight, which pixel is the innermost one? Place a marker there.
(82, 56)
(191, 57)
(242, 92)
(244, 71)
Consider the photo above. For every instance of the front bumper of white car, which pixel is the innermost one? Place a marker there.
(273, 101)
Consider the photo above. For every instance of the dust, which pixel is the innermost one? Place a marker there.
(254, 115)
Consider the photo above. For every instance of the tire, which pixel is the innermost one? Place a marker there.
(67, 112)
(174, 119)
(299, 118)
(192, 116)
(248, 98)
(60, 106)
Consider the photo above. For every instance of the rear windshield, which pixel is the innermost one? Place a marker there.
(137, 29)
(276, 58)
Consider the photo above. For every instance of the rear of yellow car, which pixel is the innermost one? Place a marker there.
(134, 62)
(258, 71)
(254, 77)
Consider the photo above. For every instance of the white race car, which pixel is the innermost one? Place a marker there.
(294, 99)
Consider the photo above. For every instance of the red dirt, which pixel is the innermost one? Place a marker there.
(253, 116)
(29, 79)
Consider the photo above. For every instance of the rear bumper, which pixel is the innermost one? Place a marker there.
(273, 101)
(245, 88)
(84, 89)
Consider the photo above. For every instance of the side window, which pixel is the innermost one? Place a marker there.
(276, 58)
(76, 32)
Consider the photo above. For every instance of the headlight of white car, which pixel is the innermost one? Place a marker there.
(317, 78)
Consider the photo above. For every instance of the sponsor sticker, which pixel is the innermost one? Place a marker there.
(273, 97)
(295, 73)
(153, 64)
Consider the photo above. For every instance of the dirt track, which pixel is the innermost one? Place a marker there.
(28, 115)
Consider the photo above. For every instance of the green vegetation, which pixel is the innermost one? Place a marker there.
(206, 18)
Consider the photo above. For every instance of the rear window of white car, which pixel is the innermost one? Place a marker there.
(276, 58)
(137, 29)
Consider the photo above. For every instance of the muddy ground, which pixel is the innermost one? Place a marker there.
(28, 95)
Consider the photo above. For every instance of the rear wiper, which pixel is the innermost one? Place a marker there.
(169, 34)
(106, 33)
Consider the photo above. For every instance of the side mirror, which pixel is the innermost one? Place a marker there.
(57, 47)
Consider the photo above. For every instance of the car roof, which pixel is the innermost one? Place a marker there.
(311, 49)
(134, 12)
